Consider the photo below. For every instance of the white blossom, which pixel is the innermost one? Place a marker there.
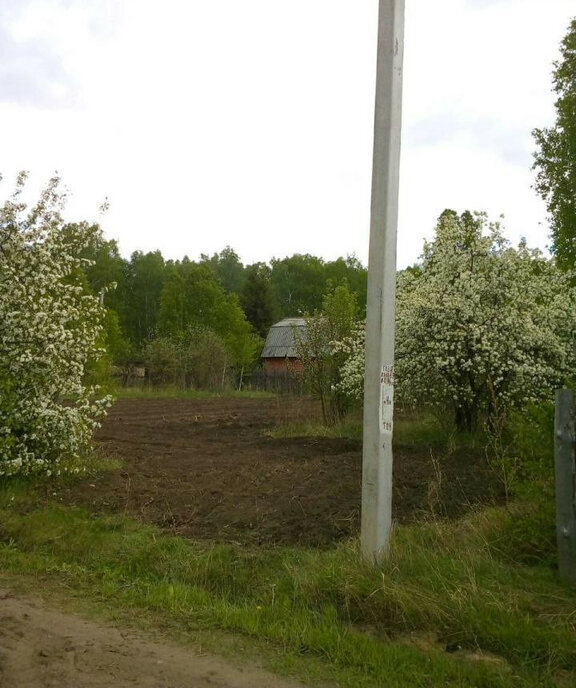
(48, 332)
(481, 327)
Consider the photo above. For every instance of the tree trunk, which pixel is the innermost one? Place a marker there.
(466, 417)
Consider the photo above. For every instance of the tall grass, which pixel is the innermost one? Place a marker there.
(416, 430)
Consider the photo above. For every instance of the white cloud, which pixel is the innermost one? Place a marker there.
(213, 122)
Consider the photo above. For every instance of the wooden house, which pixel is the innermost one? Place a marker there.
(280, 355)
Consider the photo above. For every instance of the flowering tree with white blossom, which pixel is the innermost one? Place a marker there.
(481, 327)
(49, 328)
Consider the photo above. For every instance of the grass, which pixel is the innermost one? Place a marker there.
(325, 614)
(350, 429)
(176, 393)
(417, 431)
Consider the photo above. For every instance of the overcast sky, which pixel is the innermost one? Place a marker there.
(249, 123)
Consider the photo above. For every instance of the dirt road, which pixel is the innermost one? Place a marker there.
(45, 648)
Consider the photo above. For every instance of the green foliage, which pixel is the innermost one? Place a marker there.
(118, 348)
(298, 283)
(340, 306)
(192, 296)
(322, 361)
(151, 297)
(524, 457)
(141, 293)
(554, 160)
(526, 533)
(195, 359)
(114, 351)
(349, 271)
(102, 275)
(531, 435)
(228, 269)
(105, 271)
(257, 298)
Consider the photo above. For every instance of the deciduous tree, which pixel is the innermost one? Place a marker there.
(299, 283)
(146, 275)
(228, 268)
(481, 327)
(192, 296)
(257, 299)
(556, 155)
(49, 328)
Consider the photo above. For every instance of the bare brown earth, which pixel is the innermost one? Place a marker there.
(44, 648)
(209, 469)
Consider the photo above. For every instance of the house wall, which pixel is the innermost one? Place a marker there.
(282, 366)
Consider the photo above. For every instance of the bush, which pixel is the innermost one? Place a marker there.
(196, 360)
(49, 329)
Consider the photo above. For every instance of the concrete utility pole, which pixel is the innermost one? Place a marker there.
(379, 373)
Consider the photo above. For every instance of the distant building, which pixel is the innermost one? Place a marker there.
(280, 355)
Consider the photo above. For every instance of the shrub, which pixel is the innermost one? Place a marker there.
(49, 328)
(195, 360)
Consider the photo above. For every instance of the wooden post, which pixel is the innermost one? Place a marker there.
(565, 469)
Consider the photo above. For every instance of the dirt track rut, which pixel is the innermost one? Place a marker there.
(44, 648)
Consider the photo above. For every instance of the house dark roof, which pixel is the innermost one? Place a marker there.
(280, 342)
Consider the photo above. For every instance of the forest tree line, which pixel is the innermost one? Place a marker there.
(157, 309)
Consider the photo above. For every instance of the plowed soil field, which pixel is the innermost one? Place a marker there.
(209, 469)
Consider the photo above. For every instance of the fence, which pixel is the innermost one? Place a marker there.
(277, 382)
(565, 470)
